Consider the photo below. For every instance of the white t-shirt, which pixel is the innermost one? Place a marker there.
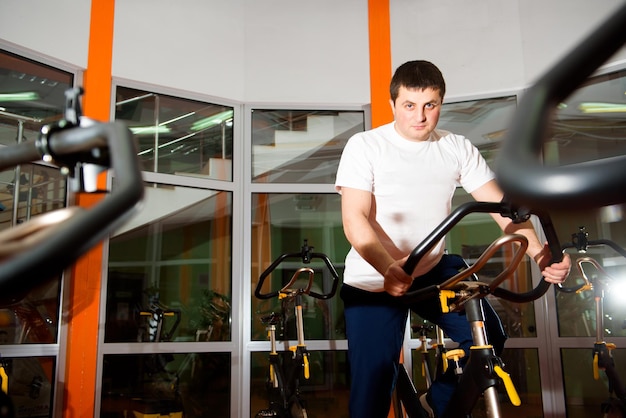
(412, 185)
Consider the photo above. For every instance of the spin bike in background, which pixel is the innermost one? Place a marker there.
(596, 279)
(40, 249)
(286, 368)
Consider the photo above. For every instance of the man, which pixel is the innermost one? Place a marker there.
(397, 183)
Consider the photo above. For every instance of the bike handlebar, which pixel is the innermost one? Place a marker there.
(306, 255)
(582, 243)
(110, 145)
(503, 208)
(584, 185)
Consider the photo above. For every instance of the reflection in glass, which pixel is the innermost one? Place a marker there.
(300, 146)
(281, 224)
(591, 123)
(583, 394)
(326, 392)
(484, 122)
(40, 189)
(166, 384)
(31, 385)
(170, 269)
(27, 191)
(176, 135)
(32, 95)
(577, 310)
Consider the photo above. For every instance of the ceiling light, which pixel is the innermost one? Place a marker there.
(149, 130)
(599, 107)
(177, 118)
(212, 120)
(18, 97)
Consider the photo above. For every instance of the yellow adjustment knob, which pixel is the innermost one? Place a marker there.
(585, 287)
(306, 367)
(5, 380)
(455, 355)
(508, 385)
(596, 373)
(272, 376)
(444, 295)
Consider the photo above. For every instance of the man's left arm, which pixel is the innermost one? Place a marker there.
(552, 272)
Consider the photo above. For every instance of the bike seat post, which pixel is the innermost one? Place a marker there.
(299, 319)
(476, 318)
(271, 329)
(599, 315)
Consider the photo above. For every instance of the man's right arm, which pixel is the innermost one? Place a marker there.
(355, 212)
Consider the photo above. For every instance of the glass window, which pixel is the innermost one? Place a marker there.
(27, 191)
(325, 393)
(31, 385)
(282, 223)
(166, 384)
(590, 125)
(577, 309)
(32, 94)
(169, 273)
(584, 395)
(484, 121)
(41, 189)
(300, 146)
(177, 135)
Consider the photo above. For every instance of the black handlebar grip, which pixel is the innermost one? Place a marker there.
(584, 185)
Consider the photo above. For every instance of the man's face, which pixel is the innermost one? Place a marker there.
(416, 112)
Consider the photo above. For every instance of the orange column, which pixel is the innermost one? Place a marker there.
(84, 298)
(380, 61)
(380, 70)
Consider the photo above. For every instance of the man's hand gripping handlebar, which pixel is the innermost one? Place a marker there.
(481, 289)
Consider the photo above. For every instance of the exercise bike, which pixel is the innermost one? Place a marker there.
(43, 247)
(597, 280)
(286, 368)
(484, 370)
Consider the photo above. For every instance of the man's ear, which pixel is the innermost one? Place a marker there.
(393, 108)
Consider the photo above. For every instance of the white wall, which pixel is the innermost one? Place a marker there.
(564, 23)
(306, 52)
(194, 45)
(57, 29)
(247, 50)
(486, 46)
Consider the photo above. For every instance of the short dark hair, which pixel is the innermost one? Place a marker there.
(417, 74)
